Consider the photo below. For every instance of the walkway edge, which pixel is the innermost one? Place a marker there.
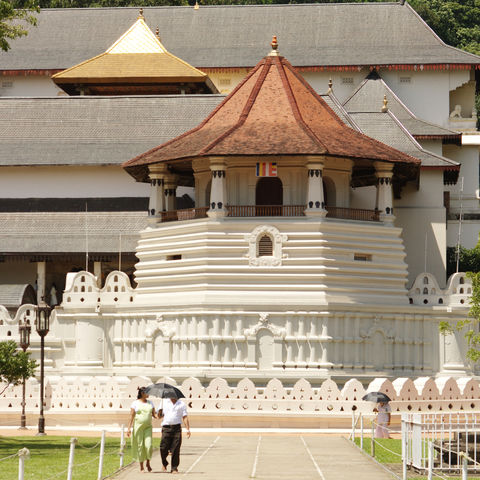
(353, 444)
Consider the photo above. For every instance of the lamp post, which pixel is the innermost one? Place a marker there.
(42, 325)
(24, 330)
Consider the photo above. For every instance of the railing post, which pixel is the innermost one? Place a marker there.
(464, 466)
(353, 426)
(361, 431)
(122, 445)
(22, 455)
(404, 449)
(430, 460)
(73, 442)
(102, 452)
(372, 440)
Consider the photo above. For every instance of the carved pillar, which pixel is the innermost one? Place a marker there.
(218, 192)
(170, 189)
(384, 174)
(156, 204)
(315, 195)
(41, 281)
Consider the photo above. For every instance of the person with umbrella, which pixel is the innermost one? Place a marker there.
(142, 411)
(173, 412)
(384, 412)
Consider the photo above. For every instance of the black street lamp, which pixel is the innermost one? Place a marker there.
(24, 330)
(42, 325)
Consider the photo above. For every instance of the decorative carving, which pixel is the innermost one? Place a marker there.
(264, 322)
(278, 240)
(167, 327)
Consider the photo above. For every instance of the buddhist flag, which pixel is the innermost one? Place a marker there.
(266, 169)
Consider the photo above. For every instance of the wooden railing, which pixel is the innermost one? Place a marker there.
(353, 214)
(186, 214)
(266, 210)
(272, 211)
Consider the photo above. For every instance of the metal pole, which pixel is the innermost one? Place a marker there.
(122, 445)
(361, 431)
(23, 418)
(73, 442)
(430, 460)
(41, 419)
(102, 452)
(372, 445)
(464, 467)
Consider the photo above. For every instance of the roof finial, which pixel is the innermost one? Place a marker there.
(274, 44)
(385, 104)
(196, 6)
(330, 85)
(140, 14)
(157, 33)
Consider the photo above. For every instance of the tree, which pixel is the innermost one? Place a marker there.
(15, 365)
(14, 20)
(469, 262)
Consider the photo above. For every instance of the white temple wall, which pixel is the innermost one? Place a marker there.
(69, 182)
(434, 146)
(28, 86)
(422, 217)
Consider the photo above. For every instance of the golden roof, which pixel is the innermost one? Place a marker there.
(137, 56)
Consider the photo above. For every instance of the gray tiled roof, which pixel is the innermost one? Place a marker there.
(386, 128)
(14, 295)
(237, 36)
(368, 97)
(67, 232)
(93, 130)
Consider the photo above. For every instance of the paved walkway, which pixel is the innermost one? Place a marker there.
(266, 457)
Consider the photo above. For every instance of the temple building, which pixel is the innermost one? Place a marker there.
(297, 219)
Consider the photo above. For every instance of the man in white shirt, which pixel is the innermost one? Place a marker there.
(173, 412)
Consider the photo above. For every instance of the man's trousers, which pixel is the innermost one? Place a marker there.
(171, 442)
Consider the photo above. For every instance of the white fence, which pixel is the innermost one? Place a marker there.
(115, 394)
(452, 436)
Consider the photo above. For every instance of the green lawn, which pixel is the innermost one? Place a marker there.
(49, 457)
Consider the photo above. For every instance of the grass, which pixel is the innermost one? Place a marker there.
(49, 457)
(391, 460)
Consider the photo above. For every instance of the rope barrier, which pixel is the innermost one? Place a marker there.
(384, 447)
(89, 448)
(57, 474)
(10, 456)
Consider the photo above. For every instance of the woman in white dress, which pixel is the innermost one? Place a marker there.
(383, 420)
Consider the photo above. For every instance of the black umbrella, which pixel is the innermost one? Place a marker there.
(164, 390)
(376, 397)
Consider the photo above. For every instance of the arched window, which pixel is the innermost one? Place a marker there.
(425, 291)
(425, 280)
(265, 246)
(462, 280)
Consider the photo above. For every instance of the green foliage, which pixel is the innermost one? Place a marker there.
(470, 263)
(15, 16)
(15, 365)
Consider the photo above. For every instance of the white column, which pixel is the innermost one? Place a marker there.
(41, 281)
(218, 192)
(315, 195)
(384, 174)
(97, 271)
(170, 190)
(156, 204)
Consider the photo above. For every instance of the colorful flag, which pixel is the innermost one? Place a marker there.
(266, 169)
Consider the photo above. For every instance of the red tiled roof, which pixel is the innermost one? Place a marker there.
(273, 111)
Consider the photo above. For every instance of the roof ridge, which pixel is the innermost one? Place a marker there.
(294, 104)
(246, 109)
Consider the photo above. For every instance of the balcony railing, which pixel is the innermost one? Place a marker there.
(266, 210)
(353, 214)
(272, 211)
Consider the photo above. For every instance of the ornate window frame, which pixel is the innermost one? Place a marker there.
(278, 239)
